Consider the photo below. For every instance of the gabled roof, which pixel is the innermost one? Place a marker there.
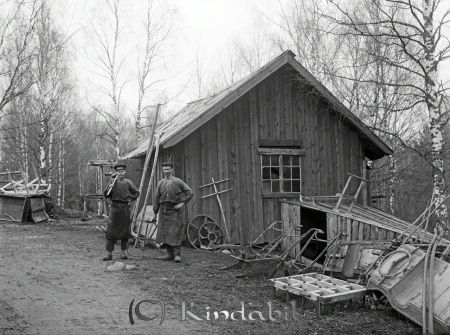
(198, 112)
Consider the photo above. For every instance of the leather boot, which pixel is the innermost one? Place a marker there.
(177, 252)
(167, 257)
(123, 254)
(108, 257)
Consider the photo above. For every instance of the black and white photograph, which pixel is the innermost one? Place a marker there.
(247, 167)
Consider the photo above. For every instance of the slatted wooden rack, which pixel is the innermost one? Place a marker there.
(319, 288)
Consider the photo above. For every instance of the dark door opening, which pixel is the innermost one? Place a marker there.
(311, 218)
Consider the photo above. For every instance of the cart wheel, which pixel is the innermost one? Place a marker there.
(210, 234)
(193, 228)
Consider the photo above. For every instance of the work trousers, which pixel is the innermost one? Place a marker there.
(110, 245)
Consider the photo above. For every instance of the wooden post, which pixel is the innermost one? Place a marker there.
(221, 210)
(343, 192)
(84, 207)
(103, 211)
(148, 189)
(147, 161)
(356, 195)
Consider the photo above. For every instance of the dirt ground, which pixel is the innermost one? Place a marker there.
(53, 281)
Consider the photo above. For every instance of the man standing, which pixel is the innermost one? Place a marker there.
(171, 195)
(121, 191)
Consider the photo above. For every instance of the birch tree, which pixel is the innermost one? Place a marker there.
(18, 24)
(157, 28)
(412, 29)
(109, 64)
(49, 91)
(301, 29)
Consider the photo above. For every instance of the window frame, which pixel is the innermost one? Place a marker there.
(280, 152)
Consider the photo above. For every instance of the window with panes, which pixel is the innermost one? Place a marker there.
(281, 172)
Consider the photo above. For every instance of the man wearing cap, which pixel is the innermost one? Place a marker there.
(121, 191)
(170, 196)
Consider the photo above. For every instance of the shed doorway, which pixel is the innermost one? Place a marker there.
(311, 218)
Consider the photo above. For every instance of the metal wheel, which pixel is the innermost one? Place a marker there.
(193, 228)
(210, 234)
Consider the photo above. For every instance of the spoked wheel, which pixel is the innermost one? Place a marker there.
(210, 234)
(194, 227)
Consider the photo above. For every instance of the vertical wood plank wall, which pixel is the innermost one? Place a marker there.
(279, 108)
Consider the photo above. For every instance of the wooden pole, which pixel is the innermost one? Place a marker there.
(147, 161)
(343, 192)
(221, 210)
(149, 187)
(103, 211)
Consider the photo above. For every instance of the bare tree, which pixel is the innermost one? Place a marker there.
(110, 65)
(157, 29)
(412, 29)
(18, 24)
(49, 74)
(301, 29)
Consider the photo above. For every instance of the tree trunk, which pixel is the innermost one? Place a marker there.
(392, 183)
(42, 152)
(61, 172)
(436, 124)
(50, 158)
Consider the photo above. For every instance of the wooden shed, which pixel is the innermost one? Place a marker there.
(275, 134)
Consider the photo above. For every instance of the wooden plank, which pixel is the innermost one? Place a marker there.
(296, 115)
(334, 226)
(390, 235)
(282, 108)
(285, 218)
(309, 146)
(329, 225)
(277, 151)
(367, 232)
(355, 230)
(349, 229)
(332, 153)
(214, 169)
(288, 103)
(236, 233)
(315, 146)
(241, 177)
(328, 153)
(360, 231)
(382, 236)
(246, 150)
(320, 160)
(263, 105)
(270, 109)
(222, 157)
(204, 168)
(256, 177)
(278, 105)
(296, 222)
(294, 143)
(339, 155)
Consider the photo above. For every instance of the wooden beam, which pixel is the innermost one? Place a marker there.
(279, 151)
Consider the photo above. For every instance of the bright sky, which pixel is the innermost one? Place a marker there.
(206, 27)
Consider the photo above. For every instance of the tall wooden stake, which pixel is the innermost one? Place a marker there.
(147, 161)
(152, 174)
(221, 210)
